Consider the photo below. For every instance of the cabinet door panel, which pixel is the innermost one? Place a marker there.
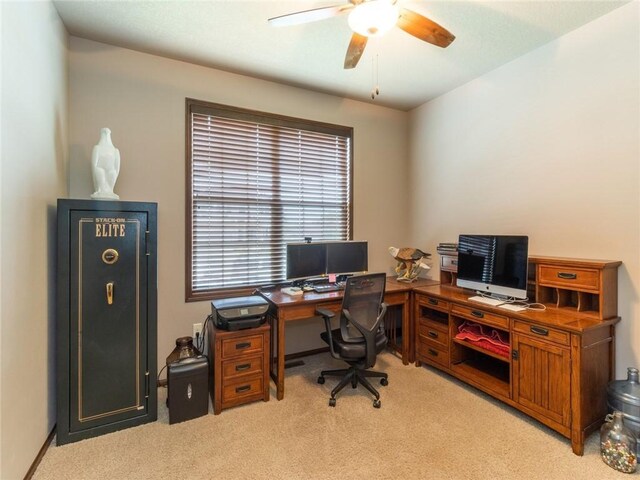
(541, 376)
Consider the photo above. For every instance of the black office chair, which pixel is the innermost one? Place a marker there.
(360, 336)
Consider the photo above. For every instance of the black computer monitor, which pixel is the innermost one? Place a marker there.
(306, 260)
(347, 257)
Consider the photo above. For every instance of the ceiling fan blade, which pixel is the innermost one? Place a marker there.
(355, 50)
(307, 16)
(424, 29)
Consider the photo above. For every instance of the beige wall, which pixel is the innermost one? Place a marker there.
(34, 175)
(141, 97)
(549, 146)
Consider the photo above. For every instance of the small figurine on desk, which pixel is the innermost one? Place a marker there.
(105, 167)
(409, 263)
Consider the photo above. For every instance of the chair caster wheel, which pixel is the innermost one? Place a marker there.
(332, 402)
(384, 382)
(321, 380)
(377, 404)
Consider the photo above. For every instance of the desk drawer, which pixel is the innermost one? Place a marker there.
(431, 334)
(449, 263)
(241, 367)
(434, 303)
(238, 391)
(572, 278)
(542, 332)
(481, 316)
(427, 351)
(235, 347)
(395, 298)
(335, 307)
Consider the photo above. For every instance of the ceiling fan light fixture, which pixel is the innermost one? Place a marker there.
(373, 18)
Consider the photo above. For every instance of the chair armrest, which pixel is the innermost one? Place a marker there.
(383, 310)
(325, 313)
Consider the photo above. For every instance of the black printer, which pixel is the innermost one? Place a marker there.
(239, 312)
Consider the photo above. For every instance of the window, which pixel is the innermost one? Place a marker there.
(255, 182)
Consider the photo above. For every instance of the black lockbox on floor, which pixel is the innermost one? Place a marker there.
(188, 389)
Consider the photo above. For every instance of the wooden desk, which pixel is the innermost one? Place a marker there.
(286, 308)
(559, 361)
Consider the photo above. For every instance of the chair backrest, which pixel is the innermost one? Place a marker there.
(363, 309)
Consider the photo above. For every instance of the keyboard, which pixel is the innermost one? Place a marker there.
(513, 308)
(486, 300)
(331, 287)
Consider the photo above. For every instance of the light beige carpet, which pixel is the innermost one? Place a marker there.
(430, 426)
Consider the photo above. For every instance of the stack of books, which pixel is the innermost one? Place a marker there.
(447, 248)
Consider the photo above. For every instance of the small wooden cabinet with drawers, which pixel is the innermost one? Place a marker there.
(240, 366)
(557, 362)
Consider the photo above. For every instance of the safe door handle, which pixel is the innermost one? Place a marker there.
(567, 275)
(109, 293)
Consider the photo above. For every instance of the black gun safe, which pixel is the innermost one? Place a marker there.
(106, 317)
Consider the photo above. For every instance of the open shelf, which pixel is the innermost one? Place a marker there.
(487, 372)
(435, 317)
(573, 300)
(484, 351)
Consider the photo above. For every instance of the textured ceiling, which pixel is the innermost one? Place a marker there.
(235, 36)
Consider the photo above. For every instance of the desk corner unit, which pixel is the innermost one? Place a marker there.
(285, 308)
(559, 360)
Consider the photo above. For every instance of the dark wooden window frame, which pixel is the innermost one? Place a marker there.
(199, 106)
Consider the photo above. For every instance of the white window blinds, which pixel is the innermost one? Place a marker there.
(258, 182)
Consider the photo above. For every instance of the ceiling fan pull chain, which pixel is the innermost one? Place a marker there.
(373, 93)
(377, 79)
(375, 90)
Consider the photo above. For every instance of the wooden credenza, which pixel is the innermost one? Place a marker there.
(560, 360)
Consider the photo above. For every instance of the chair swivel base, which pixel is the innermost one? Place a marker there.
(354, 375)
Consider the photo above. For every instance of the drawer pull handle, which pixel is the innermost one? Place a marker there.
(433, 352)
(244, 366)
(433, 301)
(433, 334)
(539, 331)
(244, 388)
(454, 262)
(567, 275)
(476, 313)
(240, 346)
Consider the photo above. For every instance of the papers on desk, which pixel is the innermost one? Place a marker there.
(293, 291)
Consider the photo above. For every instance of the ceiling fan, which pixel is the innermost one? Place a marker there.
(371, 18)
